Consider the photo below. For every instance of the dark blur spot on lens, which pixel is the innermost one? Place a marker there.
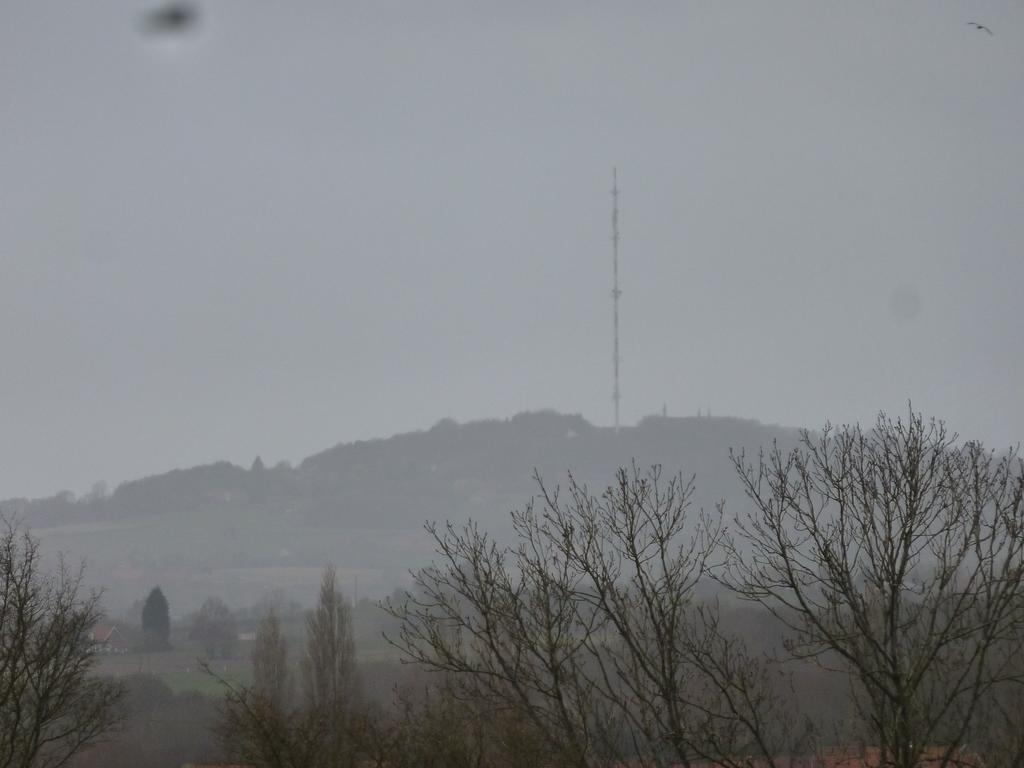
(172, 18)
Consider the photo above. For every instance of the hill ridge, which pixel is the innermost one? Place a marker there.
(362, 504)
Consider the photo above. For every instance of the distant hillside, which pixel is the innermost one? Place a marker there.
(222, 529)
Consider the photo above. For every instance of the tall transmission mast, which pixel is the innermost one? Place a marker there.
(616, 293)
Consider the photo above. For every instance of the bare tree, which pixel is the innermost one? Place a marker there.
(997, 734)
(215, 628)
(588, 626)
(50, 705)
(262, 726)
(271, 677)
(504, 625)
(666, 666)
(257, 731)
(328, 666)
(259, 724)
(895, 556)
(437, 728)
(329, 669)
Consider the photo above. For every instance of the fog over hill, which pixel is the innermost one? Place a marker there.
(237, 532)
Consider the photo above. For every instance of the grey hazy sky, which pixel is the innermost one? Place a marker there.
(320, 220)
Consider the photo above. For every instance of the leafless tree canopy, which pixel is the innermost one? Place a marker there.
(271, 678)
(894, 555)
(50, 707)
(215, 628)
(328, 666)
(261, 725)
(436, 728)
(588, 626)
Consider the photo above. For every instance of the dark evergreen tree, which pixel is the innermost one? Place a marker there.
(156, 621)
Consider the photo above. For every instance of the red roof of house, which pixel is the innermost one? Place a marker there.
(106, 633)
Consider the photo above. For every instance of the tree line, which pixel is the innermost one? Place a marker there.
(892, 557)
(889, 558)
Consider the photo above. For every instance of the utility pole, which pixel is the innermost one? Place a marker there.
(616, 395)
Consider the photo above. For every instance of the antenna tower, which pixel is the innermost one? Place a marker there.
(616, 293)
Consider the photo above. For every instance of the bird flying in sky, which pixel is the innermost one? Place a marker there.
(982, 27)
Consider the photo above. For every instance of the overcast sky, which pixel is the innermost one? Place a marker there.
(315, 221)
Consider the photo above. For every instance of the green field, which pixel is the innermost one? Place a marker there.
(180, 669)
